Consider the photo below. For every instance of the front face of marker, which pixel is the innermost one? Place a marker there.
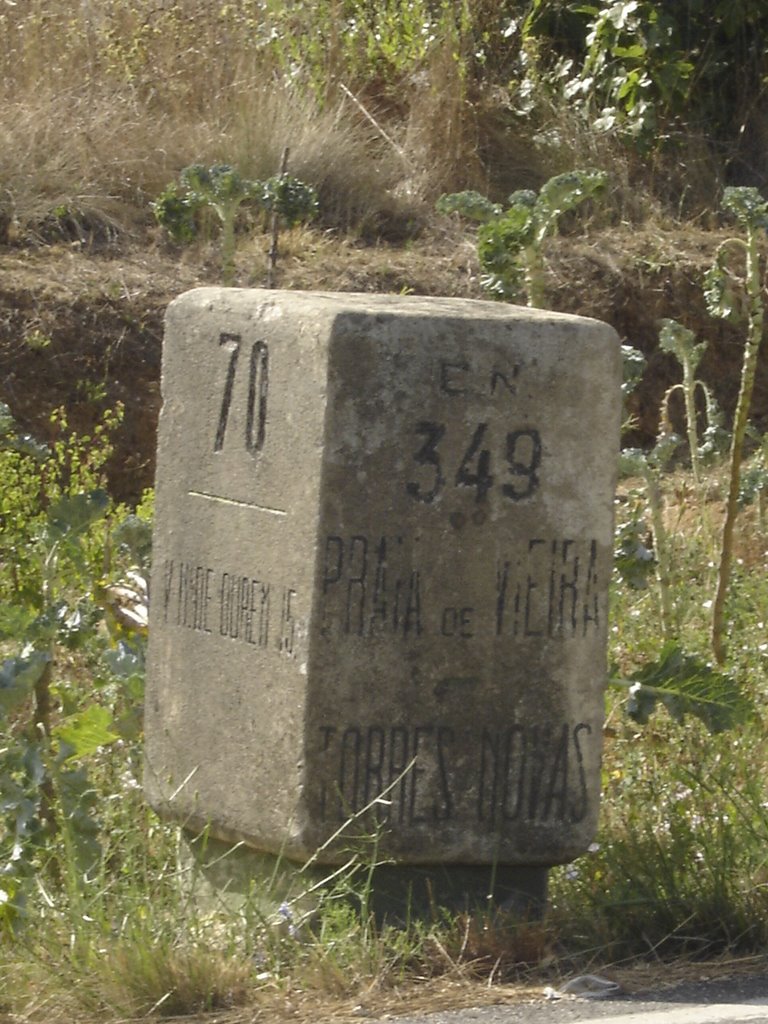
(381, 562)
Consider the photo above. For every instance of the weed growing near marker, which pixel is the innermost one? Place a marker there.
(742, 302)
(679, 866)
(509, 241)
(66, 629)
(222, 190)
(735, 295)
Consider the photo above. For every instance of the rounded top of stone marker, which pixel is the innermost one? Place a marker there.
(375, 304)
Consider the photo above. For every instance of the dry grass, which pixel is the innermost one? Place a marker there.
(278, 1002)
(102, 106)
(102, 103)
(103, 156)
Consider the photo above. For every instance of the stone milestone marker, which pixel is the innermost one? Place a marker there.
(381, 558)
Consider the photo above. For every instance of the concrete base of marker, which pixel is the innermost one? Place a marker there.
(220, 874)
(232, 875)
(402, 892)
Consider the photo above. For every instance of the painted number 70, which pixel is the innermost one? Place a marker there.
(258, 384)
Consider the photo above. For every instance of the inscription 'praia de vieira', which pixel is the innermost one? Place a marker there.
(523, 772)
(229, 604)
(540, 587)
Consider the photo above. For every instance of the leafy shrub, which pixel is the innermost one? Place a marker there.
(509, 242)
(642, 68)
(223, 190)
(63, 549)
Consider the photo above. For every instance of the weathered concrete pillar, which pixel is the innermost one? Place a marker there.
(382, 549)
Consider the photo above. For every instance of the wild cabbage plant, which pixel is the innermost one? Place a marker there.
(680, 342)
(737, 297)
(509, 241)
(685, 684)
(292, 200)
(649, 466)
(223, 190)
(676, 679)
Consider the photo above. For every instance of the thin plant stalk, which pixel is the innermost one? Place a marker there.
(43, 706)
(535, 287)
(228, 245)
(748, 370)
(680, 342)
(689, 391)
(661, 547)
(273, 251)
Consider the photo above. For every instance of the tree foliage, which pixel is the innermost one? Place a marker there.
(644, 67)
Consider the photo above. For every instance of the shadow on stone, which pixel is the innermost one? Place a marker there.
(403, 892)
(396, 894)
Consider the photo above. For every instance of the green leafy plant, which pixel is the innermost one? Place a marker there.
(634, 561)
(733, 295)
(53, 510)
(13, 439)
(509, 241)
(686, 685)
(637, 68)
(649, 466)
(631, 67)
(754, 483)
(219, 188)
(740, 300)
(679, 342)
(387, 42)
(223, 190)
(174, 210)
(292, 200)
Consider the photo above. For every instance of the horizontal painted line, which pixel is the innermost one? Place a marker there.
(239, 504)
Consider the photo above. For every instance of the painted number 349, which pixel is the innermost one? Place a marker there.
(521, 458)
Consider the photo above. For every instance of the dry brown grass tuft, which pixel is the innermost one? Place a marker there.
(104, 155)
(138, 980)
(499, 946)
(103, 106)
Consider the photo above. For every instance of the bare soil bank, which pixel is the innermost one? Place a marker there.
(81, 327)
